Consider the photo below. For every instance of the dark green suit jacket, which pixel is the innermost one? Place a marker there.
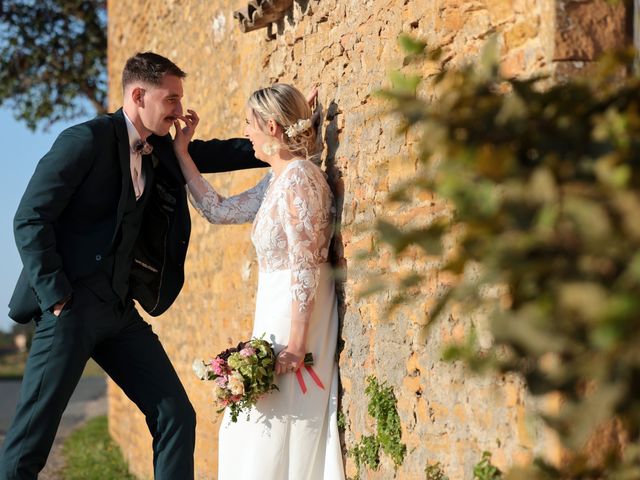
(69, 215)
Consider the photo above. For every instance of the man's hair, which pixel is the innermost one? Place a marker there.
(149, 67)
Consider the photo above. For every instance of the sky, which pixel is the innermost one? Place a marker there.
(22, 150)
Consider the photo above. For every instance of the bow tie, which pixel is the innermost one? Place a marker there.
(143, 148)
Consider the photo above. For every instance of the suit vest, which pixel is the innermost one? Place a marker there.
(118, 264)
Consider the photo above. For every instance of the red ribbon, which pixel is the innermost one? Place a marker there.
(303, 387)
(313, 376)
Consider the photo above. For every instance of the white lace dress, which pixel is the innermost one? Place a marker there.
(290, 435)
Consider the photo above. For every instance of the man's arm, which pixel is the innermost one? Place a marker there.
(54, 181)
(213, 156)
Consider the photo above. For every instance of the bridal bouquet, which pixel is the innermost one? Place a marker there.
(240, 375)
(243, 374)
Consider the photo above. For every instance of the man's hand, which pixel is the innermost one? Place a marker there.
(58, 307)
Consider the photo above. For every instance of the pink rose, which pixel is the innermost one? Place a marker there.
(221, 381)
(219, 366)
(247, 352)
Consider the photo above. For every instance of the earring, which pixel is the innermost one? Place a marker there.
(270, 148)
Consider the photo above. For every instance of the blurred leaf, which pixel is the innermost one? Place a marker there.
(591, 412)
(488, 66)
(410, 45)
(372, 288)
(541, 183)
(527, 330)
(404, 84)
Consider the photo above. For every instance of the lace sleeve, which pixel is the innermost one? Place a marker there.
(306, 212)
(241, 208)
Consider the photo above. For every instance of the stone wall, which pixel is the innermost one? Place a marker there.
(347, 48)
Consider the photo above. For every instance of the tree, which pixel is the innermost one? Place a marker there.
(53, 55)
(543, 185)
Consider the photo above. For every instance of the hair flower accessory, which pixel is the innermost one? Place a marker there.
(298, 127)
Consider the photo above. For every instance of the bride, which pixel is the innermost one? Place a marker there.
(291, 433)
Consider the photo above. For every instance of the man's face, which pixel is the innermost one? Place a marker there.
(161, 105)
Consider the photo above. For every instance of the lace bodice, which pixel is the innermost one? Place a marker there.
(292, 222)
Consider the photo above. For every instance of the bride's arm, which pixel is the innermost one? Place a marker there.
(305, 210)
(240, 208)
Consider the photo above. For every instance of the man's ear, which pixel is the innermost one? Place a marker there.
(137, 95)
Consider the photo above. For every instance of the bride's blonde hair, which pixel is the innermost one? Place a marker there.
(287, 106)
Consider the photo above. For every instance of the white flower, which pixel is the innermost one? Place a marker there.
(236, 384)
(200, 369)
(298, 127)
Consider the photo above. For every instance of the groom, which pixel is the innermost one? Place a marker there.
(104, 221)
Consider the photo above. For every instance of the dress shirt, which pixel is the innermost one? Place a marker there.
(135, 159)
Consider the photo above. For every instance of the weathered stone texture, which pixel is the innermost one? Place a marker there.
(347, 48)
(586, 29)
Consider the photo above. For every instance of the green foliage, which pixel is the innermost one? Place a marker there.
(6, 340)
(543, 186)
(367, 452)
(90, 453)
(53, 55)
(484, 470)
(342, 421)
(12, 365)
(435, 472)
(382, 407)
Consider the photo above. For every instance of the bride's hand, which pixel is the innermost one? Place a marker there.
(289, 361)
(184, 135)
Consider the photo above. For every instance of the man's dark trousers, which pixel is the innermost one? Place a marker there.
(131, 354)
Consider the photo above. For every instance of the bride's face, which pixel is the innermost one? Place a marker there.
(258, 137)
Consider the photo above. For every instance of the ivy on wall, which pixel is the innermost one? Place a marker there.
(382, 407)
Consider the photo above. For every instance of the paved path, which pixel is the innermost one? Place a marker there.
(88, 401)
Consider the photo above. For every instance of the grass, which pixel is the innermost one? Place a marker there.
(91, 454)
(12, 366)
